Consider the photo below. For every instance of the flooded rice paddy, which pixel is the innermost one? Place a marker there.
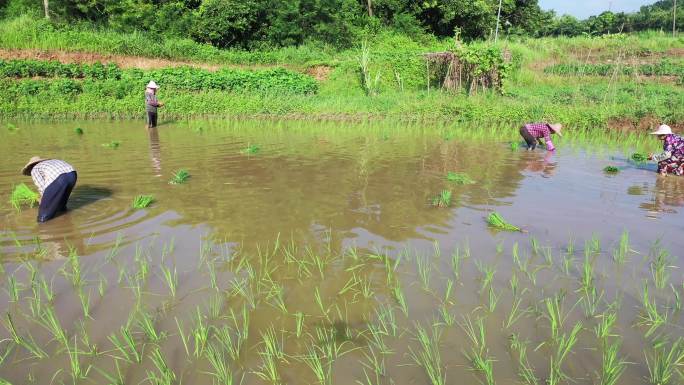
(312, 253)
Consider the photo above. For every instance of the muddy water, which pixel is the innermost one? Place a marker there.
(312, 236)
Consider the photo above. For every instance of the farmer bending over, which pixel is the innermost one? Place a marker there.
(533, 132)
(55, 179)
(151, 103)
(671, 160)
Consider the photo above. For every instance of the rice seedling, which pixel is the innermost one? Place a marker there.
(620, 254)
(525, 370)
(496, 220)
(590, 295)
(146, 324)
(27, 343)
(443, 199)
(428, 356)
(116, 379)
(493, 300)
(72, 269)
(638, 157)
(376, 365)
(13, 289)
(650, 316)
(424, 266)
(48, 320)
(564, 345)
(221, 372)
(398, 295)
(487, 274)
(126, 345)
(479, 357)
(677, 298)
(180, 176)
(113, 144)
(171, 279)
(299, 323)
(515, 313)
(459, 178)
(514, 146)
(660, 268)
(456, 258)
(534, 243)
(555, 315)
(22, 195)
(78, 131)
(163, 375)
(78, 372)
(611, 170)
(142, 201)
(604, 328)
(11, 127)
(251, 149)
(612, 366)
(85, 302)
(664, 362)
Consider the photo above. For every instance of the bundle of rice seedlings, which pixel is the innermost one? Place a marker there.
(142, 201)
(22, 195)
(496, 220)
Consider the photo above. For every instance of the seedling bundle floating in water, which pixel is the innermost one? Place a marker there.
(515, 146)
(637, 157)
(112, 144)
(78, 131)
(142, 201)
(251, 149)
(179, 177)
(496, 220)
(22, 195)
(443, 199)
(459, 178)
(611, 169)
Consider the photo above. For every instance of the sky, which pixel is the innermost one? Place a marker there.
(585, 8)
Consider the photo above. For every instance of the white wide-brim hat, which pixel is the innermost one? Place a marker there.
(664, 129)
(557, 127)
(152, 84)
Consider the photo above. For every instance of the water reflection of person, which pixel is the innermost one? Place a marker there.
(543, 165)
(668, 192)
(58, 239)
(155, 150)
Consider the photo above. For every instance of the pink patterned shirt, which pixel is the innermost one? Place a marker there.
(539, 131)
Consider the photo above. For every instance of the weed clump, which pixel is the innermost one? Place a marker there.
(22, 195)
(180, 176)
(496, 220)
(443, 199)
(459, 178)
(611, 170)
(142, 201)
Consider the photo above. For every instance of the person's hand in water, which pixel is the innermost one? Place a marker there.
(650, 156)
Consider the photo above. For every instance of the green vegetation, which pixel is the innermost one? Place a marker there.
(443, 199)
(638, 157)
(22, 195)
(662, 68)
(611, 170)
(251, 149)
(114, 144)
(180, 176)
(142, 201)
(496, 220)
(459, 178)
(78, 131)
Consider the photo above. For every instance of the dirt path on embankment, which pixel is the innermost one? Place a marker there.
(145, 63)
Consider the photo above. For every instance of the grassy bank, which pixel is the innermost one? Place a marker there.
(619, 95)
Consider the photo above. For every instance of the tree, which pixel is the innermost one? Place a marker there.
(229, 23)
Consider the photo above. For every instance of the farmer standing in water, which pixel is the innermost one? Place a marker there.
(55, 179)
(151, 104)
(533, 132)
(671, 160)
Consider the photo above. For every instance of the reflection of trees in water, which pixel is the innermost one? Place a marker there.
(382, 186)
(668, 192)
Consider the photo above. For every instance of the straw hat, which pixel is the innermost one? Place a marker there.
(556, 127)
(152, 84)
(664, 129)
(29, 166)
